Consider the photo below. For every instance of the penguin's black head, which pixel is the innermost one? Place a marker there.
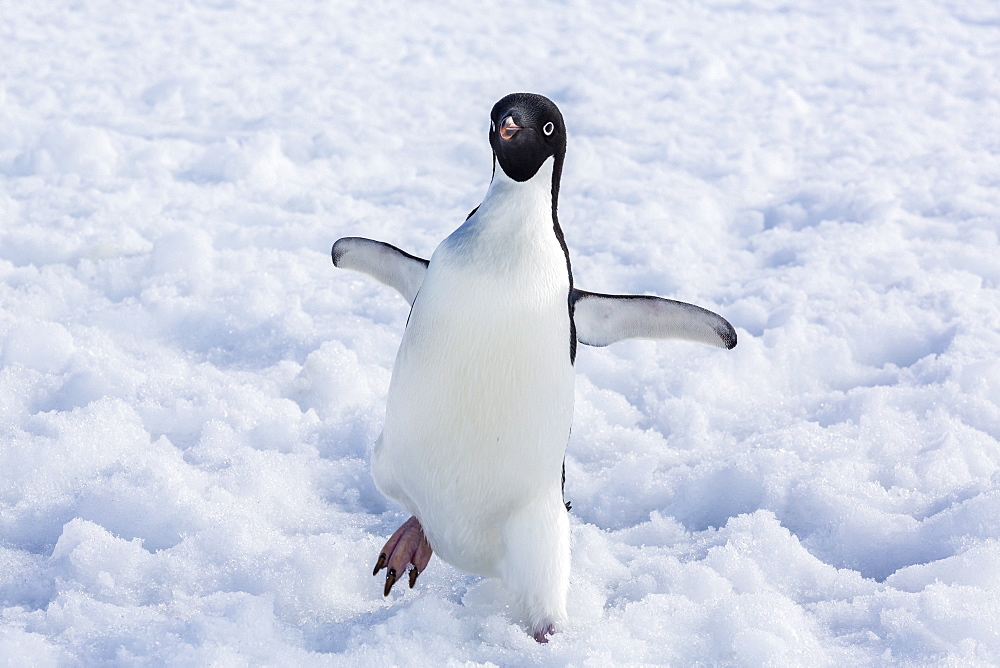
(525, 130)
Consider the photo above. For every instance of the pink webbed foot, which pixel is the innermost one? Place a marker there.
(542, 635)
(407, 546)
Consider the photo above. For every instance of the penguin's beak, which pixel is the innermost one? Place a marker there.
(508, 128)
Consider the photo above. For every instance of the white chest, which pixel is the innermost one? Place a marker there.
(497, 288)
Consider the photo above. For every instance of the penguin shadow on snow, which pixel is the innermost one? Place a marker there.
(480, 401)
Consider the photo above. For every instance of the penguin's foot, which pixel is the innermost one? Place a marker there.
(407, 546)
(542, 634)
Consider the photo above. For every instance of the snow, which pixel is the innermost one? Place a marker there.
(189, 389)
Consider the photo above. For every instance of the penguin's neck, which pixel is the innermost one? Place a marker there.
(519, 202)
(515, 218)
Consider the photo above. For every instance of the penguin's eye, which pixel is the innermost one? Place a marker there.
(548, 128)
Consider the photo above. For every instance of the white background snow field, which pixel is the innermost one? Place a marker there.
(189, 389)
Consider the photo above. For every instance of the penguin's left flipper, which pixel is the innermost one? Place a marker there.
(383, 262)
(604, 319)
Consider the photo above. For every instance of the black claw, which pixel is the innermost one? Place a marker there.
(413, 576)
(380, 564)
(390, 579)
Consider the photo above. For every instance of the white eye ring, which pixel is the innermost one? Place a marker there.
(548, 128)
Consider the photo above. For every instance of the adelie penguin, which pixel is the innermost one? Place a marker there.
(481, 398)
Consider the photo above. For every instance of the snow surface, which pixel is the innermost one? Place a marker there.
(189, 389)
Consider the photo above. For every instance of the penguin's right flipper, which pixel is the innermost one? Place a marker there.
(603, 319)
(383, 262)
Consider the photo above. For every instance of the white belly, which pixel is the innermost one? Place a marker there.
(481, 397)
